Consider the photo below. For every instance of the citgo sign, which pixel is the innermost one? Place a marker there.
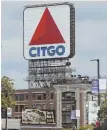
(47, 32)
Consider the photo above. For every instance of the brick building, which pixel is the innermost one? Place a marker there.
(44, 99)
(40, 98)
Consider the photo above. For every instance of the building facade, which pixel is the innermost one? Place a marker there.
(39, 98)
(63, 99)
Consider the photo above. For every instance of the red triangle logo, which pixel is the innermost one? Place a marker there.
(47, 31)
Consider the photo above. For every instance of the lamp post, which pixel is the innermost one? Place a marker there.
(6, 113)
(98, 76)
(6, 95)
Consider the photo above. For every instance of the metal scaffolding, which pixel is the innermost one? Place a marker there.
(42, 73)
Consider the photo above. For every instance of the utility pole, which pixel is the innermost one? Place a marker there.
(6, 120)
(98, 76)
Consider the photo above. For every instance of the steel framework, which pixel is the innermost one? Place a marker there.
(45, 73)
(42, 73)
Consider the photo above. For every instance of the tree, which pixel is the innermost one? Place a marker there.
(103, 109)
(7, 92)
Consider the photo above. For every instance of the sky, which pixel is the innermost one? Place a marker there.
(91, 40)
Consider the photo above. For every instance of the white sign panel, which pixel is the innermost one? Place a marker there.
(9, 112)
(47, 32)
(102, 85)
(77, 113)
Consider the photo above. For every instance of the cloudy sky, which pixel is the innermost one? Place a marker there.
(91, 40)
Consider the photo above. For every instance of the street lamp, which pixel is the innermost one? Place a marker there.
(98, 76)
(6, 112)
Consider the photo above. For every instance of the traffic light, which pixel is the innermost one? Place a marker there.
(3, 112)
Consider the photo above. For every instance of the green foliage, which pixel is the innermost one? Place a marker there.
(82, 128)
(86, 127)
(7, 92)
(103, 109)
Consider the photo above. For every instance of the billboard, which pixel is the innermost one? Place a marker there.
(36, 116)
(95, 85)
(46, 33)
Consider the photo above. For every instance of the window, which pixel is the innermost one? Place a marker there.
(73, 94)
(51, 106)
(63, 119)
(21, 107)
(16, 117)
(63, 94)
(66, 118)
(16, 108)
(33, 96)
(73, 98)
(52, 96)
(33, 106)
(44, 96)
(39, 97)
(68, 95)
(63, 107)
(26, 106)
(68, 107)
(21, 97)
(39, 107)
(16, 97)
(44, 106)
(73, 107)
(26, 96)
